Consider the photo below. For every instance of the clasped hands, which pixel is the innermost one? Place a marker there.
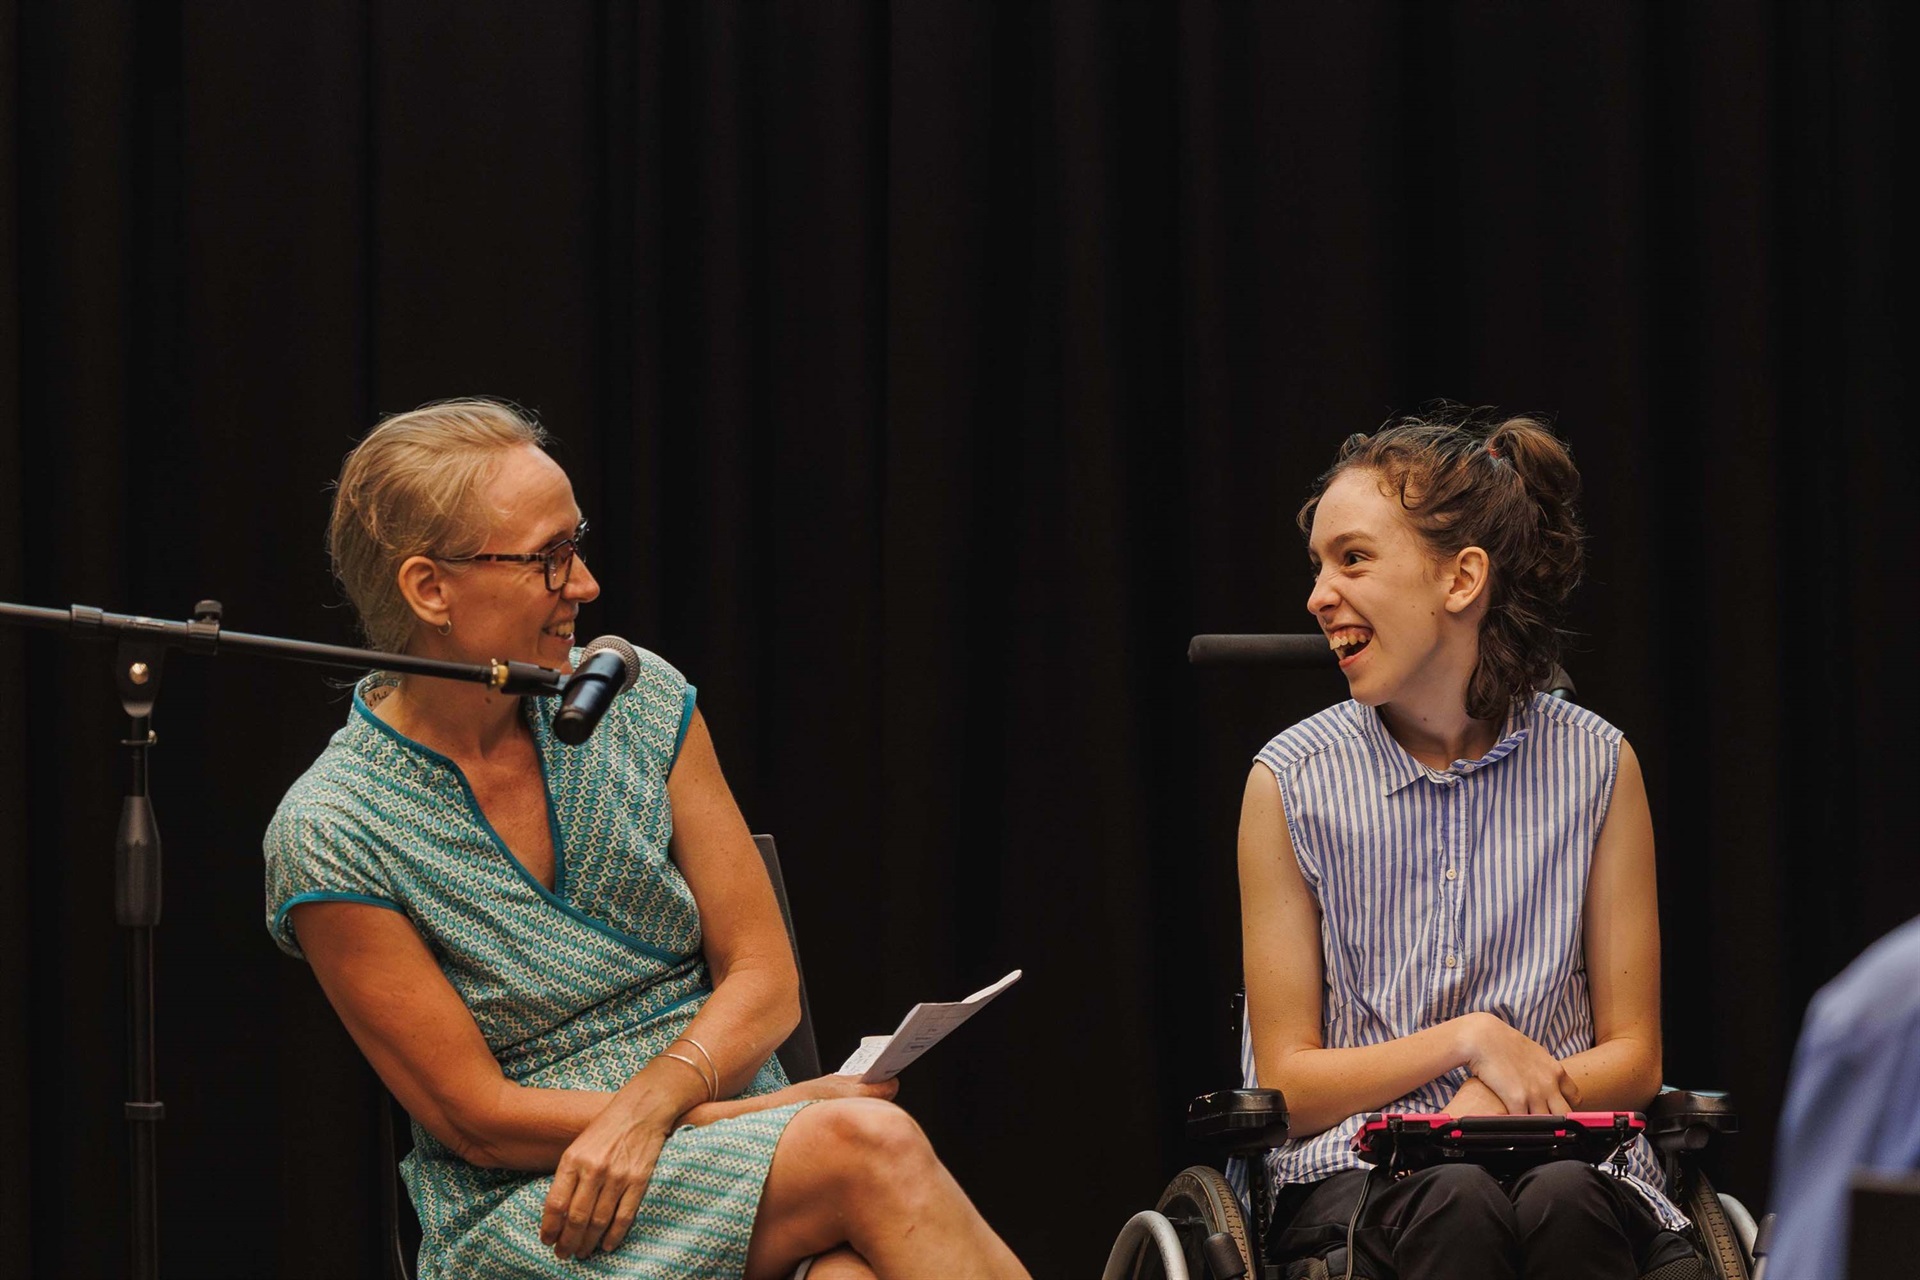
(603, 1175)
(1509, 1073)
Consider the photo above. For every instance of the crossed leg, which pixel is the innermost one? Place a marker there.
(841, 1264)
(857, 1180)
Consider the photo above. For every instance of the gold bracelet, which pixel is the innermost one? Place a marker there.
(709, 1057)
(681, 1057)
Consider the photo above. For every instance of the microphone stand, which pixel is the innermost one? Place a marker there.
(139, 658)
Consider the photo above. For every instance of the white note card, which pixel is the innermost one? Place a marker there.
(884, 1057)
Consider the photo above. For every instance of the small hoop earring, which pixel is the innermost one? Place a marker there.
(445, 628)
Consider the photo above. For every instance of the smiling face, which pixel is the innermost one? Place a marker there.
(1403, 623)
(502, 608)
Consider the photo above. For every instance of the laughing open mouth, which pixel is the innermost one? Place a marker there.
(1348, 641)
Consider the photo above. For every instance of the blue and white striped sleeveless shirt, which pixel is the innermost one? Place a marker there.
(1448, 892)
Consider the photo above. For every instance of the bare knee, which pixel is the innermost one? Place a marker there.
(841, 1167)
(840, 1264)
(859, 1171)
(869, 1143)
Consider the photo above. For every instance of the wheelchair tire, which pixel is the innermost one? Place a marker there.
(1201, 1196)
(1726, 1260)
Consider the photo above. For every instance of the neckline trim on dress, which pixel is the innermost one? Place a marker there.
(486, 825)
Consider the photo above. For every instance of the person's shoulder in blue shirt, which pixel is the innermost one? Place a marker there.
(1853, 1102)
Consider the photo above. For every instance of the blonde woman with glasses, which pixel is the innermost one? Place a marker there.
(567, 962)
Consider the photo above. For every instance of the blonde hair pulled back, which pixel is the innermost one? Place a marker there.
(409, 489)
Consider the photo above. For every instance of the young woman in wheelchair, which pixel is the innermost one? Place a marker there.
(1447, 882)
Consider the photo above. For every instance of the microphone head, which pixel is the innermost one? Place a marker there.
(629, 657)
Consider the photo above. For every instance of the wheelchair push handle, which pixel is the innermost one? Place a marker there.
(1295, 651)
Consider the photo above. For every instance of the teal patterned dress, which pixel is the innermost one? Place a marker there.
(573, 988)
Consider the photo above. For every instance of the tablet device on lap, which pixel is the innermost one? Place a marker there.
(1402, 1140)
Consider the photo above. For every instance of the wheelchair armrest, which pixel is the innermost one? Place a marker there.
(1238, 1122)
(1686, 1119)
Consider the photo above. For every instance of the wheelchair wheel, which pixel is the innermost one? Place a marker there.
(1726, 1260)
(1200, 1203)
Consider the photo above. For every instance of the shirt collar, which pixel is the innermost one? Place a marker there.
(1398, 770)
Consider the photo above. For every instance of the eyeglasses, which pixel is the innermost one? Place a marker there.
(556, 557)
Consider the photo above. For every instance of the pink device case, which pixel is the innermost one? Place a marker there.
(1410, 1140)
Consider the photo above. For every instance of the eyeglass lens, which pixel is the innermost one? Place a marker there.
(560, 565)
(559, 561)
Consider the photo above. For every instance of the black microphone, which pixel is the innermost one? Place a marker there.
(607, 669)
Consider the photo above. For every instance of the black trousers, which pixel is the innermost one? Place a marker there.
(1565, 1220)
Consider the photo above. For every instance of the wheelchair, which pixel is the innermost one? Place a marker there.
(1204, 1228)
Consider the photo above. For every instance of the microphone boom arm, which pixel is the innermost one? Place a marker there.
(204, 635)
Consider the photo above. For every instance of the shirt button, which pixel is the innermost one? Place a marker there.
(1452, 874)
(1453, 962)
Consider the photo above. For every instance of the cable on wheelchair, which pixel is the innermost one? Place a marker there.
(1353, 1222)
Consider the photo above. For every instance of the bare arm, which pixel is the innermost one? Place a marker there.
(756, 989)
(1622, 943)
(424, 1044)
(1622, 936)
(422, 1041)
(599, 1181)
(1280, 935)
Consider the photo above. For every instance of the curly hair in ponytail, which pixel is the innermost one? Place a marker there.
(1471, 478)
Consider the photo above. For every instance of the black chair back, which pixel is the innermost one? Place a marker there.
(400, 1236)
(799, 1056)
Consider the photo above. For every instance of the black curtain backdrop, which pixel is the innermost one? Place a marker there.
(930, 372)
